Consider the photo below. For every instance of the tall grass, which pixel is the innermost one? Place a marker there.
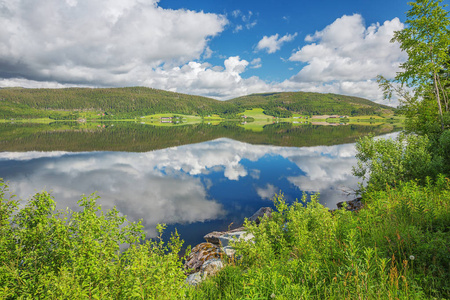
(397, 247)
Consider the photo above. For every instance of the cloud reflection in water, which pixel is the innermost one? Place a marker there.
(218, 179)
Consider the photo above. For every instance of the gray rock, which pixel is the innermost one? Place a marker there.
(205, 258)
(263, 211)
(211, 267)
(213, 237)
(194, 279)
(234, 236)
(229, 251)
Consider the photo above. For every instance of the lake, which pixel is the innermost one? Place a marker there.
(194, 178)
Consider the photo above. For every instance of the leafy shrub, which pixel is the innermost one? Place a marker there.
(383, 162)
(394, 248)
(443, 150)
(45, 253)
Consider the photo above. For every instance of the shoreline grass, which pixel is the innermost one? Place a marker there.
(396, 247)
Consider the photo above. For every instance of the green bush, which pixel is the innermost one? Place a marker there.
(385, 162)
(64, 254)
(442, 150)
(394, 248)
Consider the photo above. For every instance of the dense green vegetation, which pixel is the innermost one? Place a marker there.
(422, 87)
(383, 163)
(73, 103)
(283, 104)
(426, 39)
(49, 254)
(395, 247)
(131, 102)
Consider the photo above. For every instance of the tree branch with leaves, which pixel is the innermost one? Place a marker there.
(426, 40)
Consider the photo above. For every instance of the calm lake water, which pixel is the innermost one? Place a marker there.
(196, 188)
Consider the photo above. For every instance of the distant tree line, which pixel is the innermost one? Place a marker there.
(131, 102)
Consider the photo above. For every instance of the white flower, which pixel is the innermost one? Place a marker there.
(411, 257)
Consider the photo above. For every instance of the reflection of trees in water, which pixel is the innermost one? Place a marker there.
(139, 138)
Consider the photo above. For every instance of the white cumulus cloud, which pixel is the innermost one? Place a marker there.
(273, 43)
(345, 57)
(347, 50)
(256, 63)
(203, 79)
(99, 42)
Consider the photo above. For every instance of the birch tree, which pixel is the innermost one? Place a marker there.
(426, 40)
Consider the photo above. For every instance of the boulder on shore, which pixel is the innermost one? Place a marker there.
(205, 259)
(214, 237)
(257, 216)
(201, 254)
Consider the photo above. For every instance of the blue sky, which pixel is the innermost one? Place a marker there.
(270, 17)
(220, 49)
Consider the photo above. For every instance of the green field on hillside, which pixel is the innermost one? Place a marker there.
(135, 102)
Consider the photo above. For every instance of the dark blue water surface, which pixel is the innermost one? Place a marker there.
(195, 188)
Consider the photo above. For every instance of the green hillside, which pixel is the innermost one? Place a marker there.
(312, 104)
(131, 102)
(123, 102)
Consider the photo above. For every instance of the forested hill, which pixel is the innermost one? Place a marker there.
(312, 103)
(126, 102)
(139, 101)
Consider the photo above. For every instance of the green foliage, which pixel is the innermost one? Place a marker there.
(418, 215)
(443, 146)
(395, 248)
(426, 40)
(132, 102)
(278, 112)
(412, 223)
(110, 103)
(439, 147)
(385, 162)
(311, 104)
(45, 253)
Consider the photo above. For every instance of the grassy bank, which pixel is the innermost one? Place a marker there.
(394, 248)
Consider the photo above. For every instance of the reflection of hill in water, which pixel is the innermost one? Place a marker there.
(140, 138)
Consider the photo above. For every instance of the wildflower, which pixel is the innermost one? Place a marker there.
(272, 296)
(411, 257)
